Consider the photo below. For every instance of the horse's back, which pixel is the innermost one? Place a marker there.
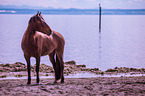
(58, 37)
(58, 41)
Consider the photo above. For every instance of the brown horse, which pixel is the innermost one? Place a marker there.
(39, 40)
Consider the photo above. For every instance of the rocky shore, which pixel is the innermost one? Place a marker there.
(19, 69)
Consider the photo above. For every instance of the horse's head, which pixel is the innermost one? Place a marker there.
(39, 24)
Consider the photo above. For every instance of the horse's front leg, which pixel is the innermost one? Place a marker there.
(37, 68)
(27, 58)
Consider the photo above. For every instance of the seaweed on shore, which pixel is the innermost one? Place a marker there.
(125, 70)
(70, 67)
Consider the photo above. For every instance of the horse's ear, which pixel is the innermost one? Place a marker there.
(39, 13)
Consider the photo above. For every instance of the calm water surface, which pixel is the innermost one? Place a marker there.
(121, 42)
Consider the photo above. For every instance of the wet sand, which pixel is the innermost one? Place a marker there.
(118, 86)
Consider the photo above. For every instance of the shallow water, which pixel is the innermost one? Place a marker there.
(121, 42)
(81, 75)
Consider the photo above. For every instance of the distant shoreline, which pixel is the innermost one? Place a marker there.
(73, 11)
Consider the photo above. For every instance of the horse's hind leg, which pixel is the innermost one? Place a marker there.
(37, 68)
(27, 58)
(52, 60)
(61, 64)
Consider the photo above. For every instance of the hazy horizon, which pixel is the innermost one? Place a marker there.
(78, 4)
(41, 8)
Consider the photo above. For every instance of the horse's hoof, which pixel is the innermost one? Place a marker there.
(62, 82)
(37, 83)
(28, 83)
(54, 83)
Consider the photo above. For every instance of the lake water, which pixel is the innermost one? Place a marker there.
(121, 42)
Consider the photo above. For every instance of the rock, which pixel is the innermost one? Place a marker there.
(102, 73)
(46, 68)
(111, 70)
(3, 76)
(81, 65)
(70, 62)
(95, 69)
(133, 69)
(124, 70)
(19, 64)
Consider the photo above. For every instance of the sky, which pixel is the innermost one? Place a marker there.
(81, 4)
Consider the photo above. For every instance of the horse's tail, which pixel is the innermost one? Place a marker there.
(57, 69)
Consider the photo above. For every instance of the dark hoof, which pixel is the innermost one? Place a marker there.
(28, 83)
(62, 81)
(37, 83)
(54, 83)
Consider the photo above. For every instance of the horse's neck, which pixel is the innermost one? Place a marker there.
(29, 33)
(50, 31)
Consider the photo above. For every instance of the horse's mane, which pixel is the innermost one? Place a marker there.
(40, 18)
(31, 19)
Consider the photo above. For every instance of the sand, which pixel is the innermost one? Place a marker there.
(118, 86)
(86, 86)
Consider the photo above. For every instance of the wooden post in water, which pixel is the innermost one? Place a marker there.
(100, 53)
(99, 17)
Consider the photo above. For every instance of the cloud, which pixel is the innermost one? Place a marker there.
(138, 0)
